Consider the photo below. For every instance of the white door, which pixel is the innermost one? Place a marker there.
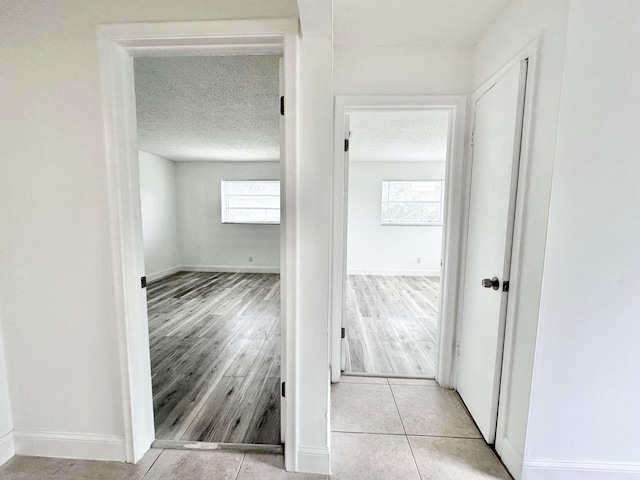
(494, 175)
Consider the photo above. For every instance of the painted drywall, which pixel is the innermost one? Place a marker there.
(7, 448)
(158, 203)
(56, 280)
(520, 24)
(315, 110)
(407, 70)
(205, 242)
(584, 420)
(374, 249)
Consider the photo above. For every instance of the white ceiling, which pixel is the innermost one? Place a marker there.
(209, 108)
(413, 22)
(406, 135)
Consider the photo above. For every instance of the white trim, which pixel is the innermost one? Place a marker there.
(314, 460)
(118, 44)
(7, 447)
(530, 52)
(69, 445)
(395, 273)
(452, 208)
(228, 268)
(152, 277)
(512, 458)
(539, 468)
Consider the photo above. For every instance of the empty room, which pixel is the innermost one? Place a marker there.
(209, 133)
(396, 208)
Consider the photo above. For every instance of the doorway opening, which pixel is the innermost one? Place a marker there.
(395, 208)
(209, 141)
(119, 46)
(396, 229)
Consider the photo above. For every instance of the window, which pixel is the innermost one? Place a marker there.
(251, 201)
(414, 202)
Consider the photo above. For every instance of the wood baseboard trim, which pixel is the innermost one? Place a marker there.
(70, 445)
(152, 277)
(314, 460)
(394, 273)
(7, 447)
(542, 469)
(227, 268)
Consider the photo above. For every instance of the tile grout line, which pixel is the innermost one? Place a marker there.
(244, 455)
(405, 432)
(152, 464)
(407, 435)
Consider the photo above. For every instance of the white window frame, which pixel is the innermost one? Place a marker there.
(224, 195)
(440, 204)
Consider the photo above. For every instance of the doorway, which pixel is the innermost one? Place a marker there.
(395, 204)
(433, 341)
(209, 134)
(119, 45)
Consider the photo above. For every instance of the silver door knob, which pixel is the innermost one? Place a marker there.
(491, 283)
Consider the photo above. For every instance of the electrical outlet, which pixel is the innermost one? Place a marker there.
(419, 260)
(250, 258)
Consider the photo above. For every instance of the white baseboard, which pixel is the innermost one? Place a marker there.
(551, 469)
(512, 458)
(314, 460)
(70, 445)
(152, 277)
(394, 273)
(226, 268)
(7, 447)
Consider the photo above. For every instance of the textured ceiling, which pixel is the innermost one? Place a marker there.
(222, 108)
(413, 22)
(407, 135)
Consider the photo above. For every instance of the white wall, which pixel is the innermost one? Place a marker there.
(521, 23)
(584, 420)
(315, 111)
(373, 249)
(7, 448)
(56, 278)
(158, 202)
(206, 243)
(407, 70)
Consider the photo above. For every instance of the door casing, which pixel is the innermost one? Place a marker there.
(118, 45)
(454, 175)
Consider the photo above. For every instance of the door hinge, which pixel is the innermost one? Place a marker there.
(283, 389)
(343, 333)
(282, 105)
(143, 282)
(473, 134)
(346, 144)
(505, 286)
(457, 348)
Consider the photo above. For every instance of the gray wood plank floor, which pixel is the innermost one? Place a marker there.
(215, 357)
(391, 325)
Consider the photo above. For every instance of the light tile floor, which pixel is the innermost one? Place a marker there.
(405, 429)
(383, 429)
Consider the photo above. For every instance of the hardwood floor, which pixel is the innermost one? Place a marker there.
(215, 357)
(392, 325)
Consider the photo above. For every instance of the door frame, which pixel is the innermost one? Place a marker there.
(118, 44)
(503, 446)
(456, 104)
